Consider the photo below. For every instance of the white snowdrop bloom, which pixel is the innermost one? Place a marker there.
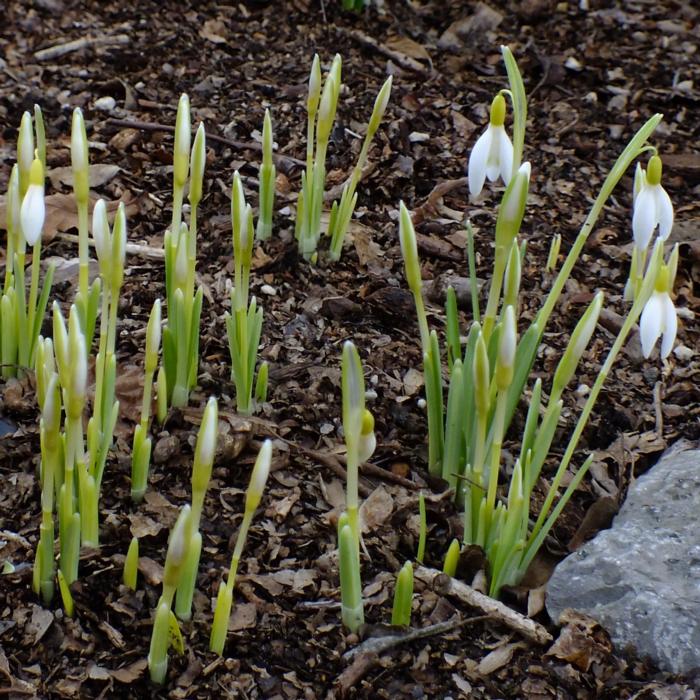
(659, 315)
(652, 205)
(492, 155)
(368, 440)
(33, 209)
(658, 318)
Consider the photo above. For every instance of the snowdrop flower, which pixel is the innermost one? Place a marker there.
(652, 205)
(33, 210)
(493, 152)
(659, 314)
(368, 440)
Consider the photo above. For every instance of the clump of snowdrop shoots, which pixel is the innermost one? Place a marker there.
(492, 155)
(659, 315)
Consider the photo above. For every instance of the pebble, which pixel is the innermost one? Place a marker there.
(683, 353)
(105, 104)
(268, 290)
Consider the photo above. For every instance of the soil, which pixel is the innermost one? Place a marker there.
(593, 76)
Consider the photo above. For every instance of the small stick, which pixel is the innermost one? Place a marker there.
(282, 160)
(145, 251)
(384, 474)
(332, 462)
(446, 585)
(58, 50)
(401, 59)
(378, 645)
(365, 656)
(658, 410)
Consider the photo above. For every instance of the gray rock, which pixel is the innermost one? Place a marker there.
(641, 578)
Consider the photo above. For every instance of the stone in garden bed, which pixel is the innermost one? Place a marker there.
(641, 578)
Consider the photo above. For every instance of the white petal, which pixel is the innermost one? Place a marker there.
(100, 229)
(639, 179)
(670, 326)
(32, 213)
(644, 217)
(650, 324)
(493, 162)
(664, 210)
(506, 157)
(477, 162)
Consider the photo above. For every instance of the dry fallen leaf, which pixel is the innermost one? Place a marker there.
(408, 47)
(100, 174)
(243, 617)
(498, 658)
(129, 674)
(581, 642)
(376, 509)
(214, 30)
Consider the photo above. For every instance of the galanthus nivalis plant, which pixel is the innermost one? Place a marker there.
(488, 374)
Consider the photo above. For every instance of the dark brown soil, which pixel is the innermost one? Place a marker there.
(593, 77)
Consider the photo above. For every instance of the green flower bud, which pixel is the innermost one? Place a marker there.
(409, 250)
(205, 448)
(482, 377)
(498, 110)
(654, 168)
(380, 106)
(258, 478)
(153, 332)
(314, 86)
(197, 164)
(79, 157)
(181, 154)
(506, 350)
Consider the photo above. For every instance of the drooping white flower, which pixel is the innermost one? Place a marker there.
(659, 314)
(368, 440)
(492, 155)
(33, 210)
(658, 318)
(652, 205)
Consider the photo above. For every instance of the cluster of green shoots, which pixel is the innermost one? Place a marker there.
(21, 317)
(321, 106)
(76, 427)
(360, 443)
(488, 373)
(185, 548)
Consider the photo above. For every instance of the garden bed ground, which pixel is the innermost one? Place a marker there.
(592, 76)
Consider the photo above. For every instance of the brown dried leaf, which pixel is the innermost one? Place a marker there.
(129, 674)
(152, 571)
(408, 47)
(498, 658)
(581, 642)
(143, 526)
(214, 30)
(100, 174)
(244, 617)
(376, 509)
(38, 626)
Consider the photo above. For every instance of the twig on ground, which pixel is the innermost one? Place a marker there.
(58, 50)
(399, 58)
(446, 585)
(365, 656)
(378, 645)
